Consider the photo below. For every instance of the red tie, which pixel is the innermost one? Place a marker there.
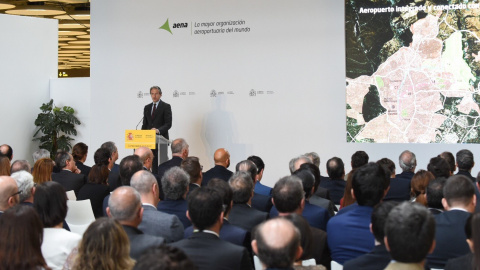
(153, 111)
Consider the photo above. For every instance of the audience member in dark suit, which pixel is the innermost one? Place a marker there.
(275, 252)
(408, 162)
(358, 159)
(228, 232)
(295, 163)
(316, 216)
(434, 195)
(164, 257)
(222, 162)
(96, 189)
(459, 201)
(192, 166)
(409, 236)
(146, 157)
(335, 183)
(450, 159)
(349, 233)
(204, 247)
(316, 199)
(243, 214)
(79, 153)
(110, 146)
(179, 153)
(439, 167)
(288, 198)
(125, 206)
(155, 222)
(259, 187)
(467, 261)
(68, 177)
(379, 257)
(128, 167)
(259, 201)
(465, 164)
(399, 188)
(175, 186)
(26, 187)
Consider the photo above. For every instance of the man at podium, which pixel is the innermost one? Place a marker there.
(157, 116)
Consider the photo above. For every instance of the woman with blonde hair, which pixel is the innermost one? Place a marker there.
(419, 185)
(104, 245)
(42, 170)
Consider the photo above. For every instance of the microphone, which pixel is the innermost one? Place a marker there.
(139, 123)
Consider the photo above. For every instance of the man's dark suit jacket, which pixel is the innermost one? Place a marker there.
(114, 180)
(262, 202)
(84, 169)
(316, 216)
(323, 193)
(405, 175)
(216, 172)
(176, 207)
(162, 119)
(336, 188)
(377, 259)
(399, 190)
(69, 180)
(191, 187)
(140, 243)
(449, 237)
(463, 263)
(229, 233)
(324, 203)
(174, 162)
(246, 217)
(208, 251)
(95, 193)
(159, 183)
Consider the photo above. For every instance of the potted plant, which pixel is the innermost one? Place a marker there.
(55, 124)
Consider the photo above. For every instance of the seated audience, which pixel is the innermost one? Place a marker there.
(359, 158)
(20, 165)
(175, 186)
(125, 206)
(296, 162)
(40, 153)
(192, 166)
(316, 199)
(465, 163)
(9, 193)
(259, 201)
(26, 187)
(434, 195)
(335, 182)
(146, 157)
(21, 234)
(420, 181)
(399, 188)
(221, 157)
(180, 151)
(450, 159)
(259, 187)
(4, 166)
(439, 167)
(96, 189)
(50, 202)
(6, 150)
(409, 236)
(104, 245)
(79, 153)
(42, 170)
(349, 233)
(164, 258)
(204, 247)
(469, 261)
(112, 148)
(67, 176)
(459, 201)
(408, 162)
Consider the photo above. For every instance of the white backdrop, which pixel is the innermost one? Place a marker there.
(27, 62)
(292, 57)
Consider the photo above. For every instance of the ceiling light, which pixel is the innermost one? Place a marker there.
(72, 51)
(71, 33)
(79, 42)
(66, 39)
(76, 15)
(69, 54)
(83, 25)
(6, 5)
(36, 10)
(76, 47)
(84, 36)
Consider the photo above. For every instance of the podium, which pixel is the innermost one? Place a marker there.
(147, 138)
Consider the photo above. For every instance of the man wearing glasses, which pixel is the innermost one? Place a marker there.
(9, 194)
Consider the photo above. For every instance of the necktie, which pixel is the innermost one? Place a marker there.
(153, 111)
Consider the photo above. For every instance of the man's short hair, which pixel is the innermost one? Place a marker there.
(314, 157)
(225, 191)
(308, 180)
(128, 167)
(102, 156)
(175, 183)
(25, 184)
(407, 161)
(192, 166)
(40, 153)
(79, 150)
(294, 160)
(164, 258)
(387, 165)
(142, 181)
(410, 231)
(288, 194)
(379, 217)
(242, 187)
(439, 167)
(6, 150)
(258, 162)
(124, 203)
(20, 165)
(335, 168)
(110, 146)
(178, 145)
(450, 159)
(465, 160)
(315, 171)
(434, 192)
(61, 159)
(369, 183)
(248, 167)
(272, 252)
(458, 189)
(359, 159)
(204, 207)
(156, 88)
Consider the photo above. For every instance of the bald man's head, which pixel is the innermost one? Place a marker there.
(125, 206)
(222, 157)
(277, 243)
(7, 151)
(146, 156)
(9, 195)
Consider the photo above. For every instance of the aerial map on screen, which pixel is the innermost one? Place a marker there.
(412, 71)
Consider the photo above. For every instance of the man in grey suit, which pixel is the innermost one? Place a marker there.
(125, 206)
(155, 222)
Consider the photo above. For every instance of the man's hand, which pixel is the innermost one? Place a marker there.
(156, 130)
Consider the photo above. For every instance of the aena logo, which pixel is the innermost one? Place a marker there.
(166, 26)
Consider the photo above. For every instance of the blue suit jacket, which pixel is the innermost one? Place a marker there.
(399, 190)
(262, 189)
(165, 166)
(405, 175)
(216, 172)
(377, 259)
(336, 188)
(349, 234)
(177, 208)
(228, 232)
(315, 215)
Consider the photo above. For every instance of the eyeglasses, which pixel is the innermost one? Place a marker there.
(16, 193)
